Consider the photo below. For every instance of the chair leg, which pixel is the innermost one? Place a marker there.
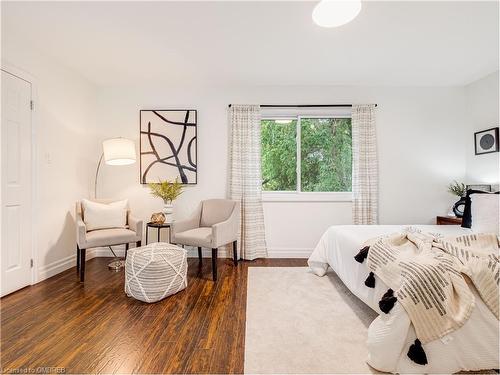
(77, 259)
(138, 244)
(126, 249)
(214, 264)
(200, 254)
(82, 265)
(235, 252)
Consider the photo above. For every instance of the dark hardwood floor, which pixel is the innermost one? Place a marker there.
(62, 325)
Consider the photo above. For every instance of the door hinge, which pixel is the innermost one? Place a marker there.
(31, 263)
(32, 104)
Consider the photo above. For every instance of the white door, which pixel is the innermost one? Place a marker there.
(16, 183)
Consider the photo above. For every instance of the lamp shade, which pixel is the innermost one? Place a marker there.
(119, 151)
(333, 13)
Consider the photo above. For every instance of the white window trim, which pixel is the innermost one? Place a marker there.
(294, 196)
(298, 195)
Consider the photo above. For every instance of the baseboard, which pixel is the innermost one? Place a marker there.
(276, 252)
(63, 264)
(287, 252)
(56, 267)
(103, 252)
(192, 252)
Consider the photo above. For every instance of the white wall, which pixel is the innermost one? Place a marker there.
(482, 113)
(420, 132)
(421, 140)
(65, 151)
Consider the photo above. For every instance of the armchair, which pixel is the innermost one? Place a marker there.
(215, 223)
(86, 239)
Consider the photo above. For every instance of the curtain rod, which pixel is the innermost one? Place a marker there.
(302, 105)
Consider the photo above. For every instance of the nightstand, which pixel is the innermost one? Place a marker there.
(448, 220)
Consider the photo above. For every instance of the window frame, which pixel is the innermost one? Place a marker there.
(298, 195)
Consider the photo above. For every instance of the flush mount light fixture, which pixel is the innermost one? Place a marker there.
(334, 13)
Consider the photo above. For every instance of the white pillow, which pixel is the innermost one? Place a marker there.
(101, 215)
(485, 213)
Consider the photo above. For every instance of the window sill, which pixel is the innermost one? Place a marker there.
(285, 196)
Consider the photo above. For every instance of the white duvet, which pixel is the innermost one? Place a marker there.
(474, 346)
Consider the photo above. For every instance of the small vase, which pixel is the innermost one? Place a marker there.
(168, 211)
(458, 207)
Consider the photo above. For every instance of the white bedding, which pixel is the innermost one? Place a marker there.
(474, 346)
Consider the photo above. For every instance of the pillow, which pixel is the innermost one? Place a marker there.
(484, 210)
(468, 218)
(103, 216)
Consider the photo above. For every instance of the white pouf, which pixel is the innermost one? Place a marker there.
(155, 271)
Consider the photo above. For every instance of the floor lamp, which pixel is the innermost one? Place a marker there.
(115, 151)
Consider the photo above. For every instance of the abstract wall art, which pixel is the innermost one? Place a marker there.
(168, 145)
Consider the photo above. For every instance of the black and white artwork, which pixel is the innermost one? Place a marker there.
(168, 145)
(486, 141)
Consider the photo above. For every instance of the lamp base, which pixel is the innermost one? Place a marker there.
(117, 265)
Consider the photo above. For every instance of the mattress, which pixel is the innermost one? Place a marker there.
(475, 346)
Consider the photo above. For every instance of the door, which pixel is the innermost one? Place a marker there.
(16, 204)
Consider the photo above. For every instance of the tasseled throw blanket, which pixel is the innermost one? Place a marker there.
(426, 275)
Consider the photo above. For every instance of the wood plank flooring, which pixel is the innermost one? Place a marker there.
(60, 325)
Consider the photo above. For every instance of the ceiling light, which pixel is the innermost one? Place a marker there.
(333, 13)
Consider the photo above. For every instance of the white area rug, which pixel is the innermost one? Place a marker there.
(299, 323)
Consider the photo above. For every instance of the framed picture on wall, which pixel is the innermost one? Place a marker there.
(168, 145)
(486, 141)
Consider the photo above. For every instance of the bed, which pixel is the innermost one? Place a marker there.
(474, 346)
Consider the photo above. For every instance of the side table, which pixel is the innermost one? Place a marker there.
(159, 227)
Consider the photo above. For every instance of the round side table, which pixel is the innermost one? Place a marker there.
(159, 227)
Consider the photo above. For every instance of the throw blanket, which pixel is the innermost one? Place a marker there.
(426, 275)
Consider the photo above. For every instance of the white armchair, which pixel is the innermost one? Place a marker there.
(215, 223)
(103, 237)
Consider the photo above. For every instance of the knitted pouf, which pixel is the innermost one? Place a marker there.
(155, 271)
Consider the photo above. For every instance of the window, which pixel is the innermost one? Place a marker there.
(279, 155)
(306, 153)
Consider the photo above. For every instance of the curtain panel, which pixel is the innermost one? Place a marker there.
(364, 165)
(245, 179)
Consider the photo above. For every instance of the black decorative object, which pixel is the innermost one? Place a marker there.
(486, 141)
(168, 145)
(459, 207)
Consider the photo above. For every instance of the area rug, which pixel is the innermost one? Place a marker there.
(299, 323)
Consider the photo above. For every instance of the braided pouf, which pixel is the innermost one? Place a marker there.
(155, 271)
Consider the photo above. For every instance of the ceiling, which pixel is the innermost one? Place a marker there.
(261, 43)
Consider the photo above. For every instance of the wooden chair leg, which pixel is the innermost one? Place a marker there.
(200, 254)
(235, 252)
(126, 250)
(82, 265)
(214, 264)
(77, 259)
(138, 244)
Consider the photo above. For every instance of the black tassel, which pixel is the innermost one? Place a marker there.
(387, 302)
(362, 255)
(417, 354)
(370, 280)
